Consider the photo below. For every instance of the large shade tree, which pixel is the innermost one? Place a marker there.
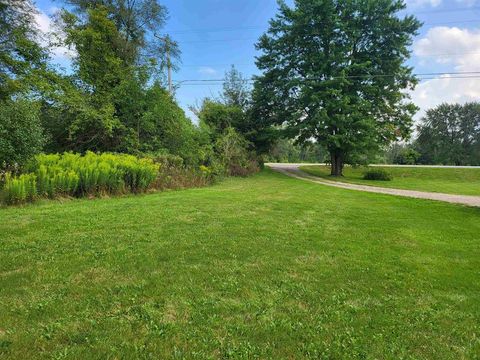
(334, 72)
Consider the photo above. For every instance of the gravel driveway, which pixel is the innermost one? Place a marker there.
(294, 171)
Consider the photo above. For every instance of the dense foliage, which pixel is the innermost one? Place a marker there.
(335, 71)
(22, 59)
(377, 174)
(21, 133)
(450, 134)
(112, 100)
(75, 175)
(286, 151)
(71, 174)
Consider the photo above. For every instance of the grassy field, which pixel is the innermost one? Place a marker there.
(264, 267)
(448, 180)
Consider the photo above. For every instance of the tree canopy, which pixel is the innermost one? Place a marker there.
(139, 24)
(450, 134)
(22, 59)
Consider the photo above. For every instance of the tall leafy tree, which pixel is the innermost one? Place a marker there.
(139, 23)
(22, 59)
(24, 76)
(164, 126)
(89, 107)
(334, 71)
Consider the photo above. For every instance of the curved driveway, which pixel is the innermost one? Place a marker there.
(294, 171)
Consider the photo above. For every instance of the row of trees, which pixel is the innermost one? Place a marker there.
(448, 134)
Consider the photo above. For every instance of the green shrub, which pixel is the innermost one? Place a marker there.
(91, 174)
(377, 174)
(21, 133)
(233, 154)
(71, 174)
(167, 160)
(18, 190)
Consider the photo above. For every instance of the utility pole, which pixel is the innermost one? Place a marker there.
(167, 41)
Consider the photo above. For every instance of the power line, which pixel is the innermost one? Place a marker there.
(254, 27)
(358, 76)
(438, 11)
(449, 54)
(422, 76)
(214, 40)
(245, 28)
(452, 22)
(187, 31)
(429, 78)
(256, 38)
(250, 39)
(208, 65)
(250, 64)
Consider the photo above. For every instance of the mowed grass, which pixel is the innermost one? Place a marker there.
(443, 180)
(267, 267)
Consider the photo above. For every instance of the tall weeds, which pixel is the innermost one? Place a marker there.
(72, 174)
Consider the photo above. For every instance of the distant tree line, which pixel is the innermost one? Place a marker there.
(448, 134)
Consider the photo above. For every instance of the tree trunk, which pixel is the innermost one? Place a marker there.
(337, 163)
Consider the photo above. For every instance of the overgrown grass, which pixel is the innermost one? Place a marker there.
(263, 267)
(447, 180)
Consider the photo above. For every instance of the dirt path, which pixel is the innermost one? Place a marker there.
(294, 171)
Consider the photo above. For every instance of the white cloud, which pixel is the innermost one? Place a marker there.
(205, 70)
(46, 27)
(459, 48)
(431, 93)
(422, 3)
(451, 45)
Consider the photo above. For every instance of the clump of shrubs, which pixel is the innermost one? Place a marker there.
(377, 174)
(19, 189)
(233, 154)
(174, 174)
(75, 175)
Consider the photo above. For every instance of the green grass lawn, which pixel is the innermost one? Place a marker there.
(264, 267)
(450, 181)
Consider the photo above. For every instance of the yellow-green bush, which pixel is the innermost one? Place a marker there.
(72, 174)
(19, 189)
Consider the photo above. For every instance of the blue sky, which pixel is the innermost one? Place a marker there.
(213, 34)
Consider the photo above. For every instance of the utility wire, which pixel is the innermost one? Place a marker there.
(243, 28)
(471, 8)
(472, 74)
(427, 78)
(424, 76)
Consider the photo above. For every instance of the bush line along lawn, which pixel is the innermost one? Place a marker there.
(448, 180)
(267, 266)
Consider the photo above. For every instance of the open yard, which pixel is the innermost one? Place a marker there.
(444, 180)
(263, 267)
